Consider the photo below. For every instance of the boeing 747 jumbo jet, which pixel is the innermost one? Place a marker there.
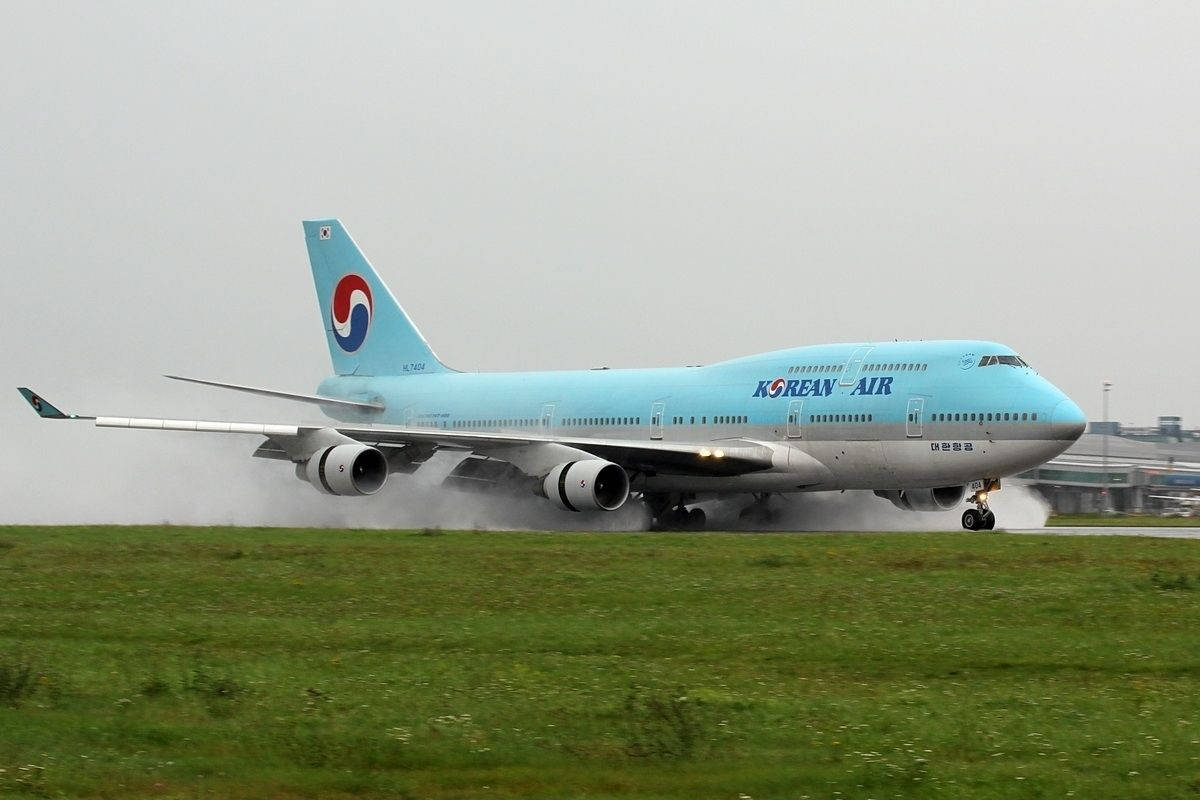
(926, 425)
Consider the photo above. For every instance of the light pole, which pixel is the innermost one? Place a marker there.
(1105, 505)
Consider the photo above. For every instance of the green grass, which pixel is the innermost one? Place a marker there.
(264, 663)
(1105, 520)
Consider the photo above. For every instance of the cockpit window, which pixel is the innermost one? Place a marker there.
(1012, 361)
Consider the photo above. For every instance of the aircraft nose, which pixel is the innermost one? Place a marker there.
(1067, 421)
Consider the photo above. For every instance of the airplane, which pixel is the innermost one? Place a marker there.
(925, 425)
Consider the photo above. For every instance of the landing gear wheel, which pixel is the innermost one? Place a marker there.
(981, 517)
(679, 518)
(759, 513)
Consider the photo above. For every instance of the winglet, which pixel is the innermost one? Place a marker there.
(42, 407)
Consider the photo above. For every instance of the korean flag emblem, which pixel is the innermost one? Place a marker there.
(325, 232)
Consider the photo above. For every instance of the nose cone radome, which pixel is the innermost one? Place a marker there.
(1067, 421)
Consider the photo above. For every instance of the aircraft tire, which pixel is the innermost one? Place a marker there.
(972, 520)
(696, 519)
(989, 520)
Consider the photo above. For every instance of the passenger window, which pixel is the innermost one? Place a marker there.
(1006, 416)
(1024, 416)
(870, 417)
(1033, 416)
(693, 420)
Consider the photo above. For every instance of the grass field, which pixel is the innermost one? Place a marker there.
(1108, 520)
(193, 662)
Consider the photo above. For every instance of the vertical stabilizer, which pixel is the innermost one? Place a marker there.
(367, 330)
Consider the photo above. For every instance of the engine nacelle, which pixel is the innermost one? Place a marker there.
(346, 469)
(591, 485)
(939, 499)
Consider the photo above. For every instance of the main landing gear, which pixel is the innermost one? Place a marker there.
(981, 517)
(671, 513)
(759, 512)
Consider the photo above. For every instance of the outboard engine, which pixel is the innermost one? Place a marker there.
(940, 499)
(591, 485)
(345, 469)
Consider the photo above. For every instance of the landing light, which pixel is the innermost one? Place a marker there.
(718, 453)
(705, 452)
(983, 497)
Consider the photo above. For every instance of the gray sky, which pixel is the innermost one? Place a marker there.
(669, 184)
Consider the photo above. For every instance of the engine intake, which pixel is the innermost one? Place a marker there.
(591, 485)
(347, 469)
(939, 499)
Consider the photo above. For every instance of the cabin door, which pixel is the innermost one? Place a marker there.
(853, 366)
(912, 423)
(656, 420)
(795, 419)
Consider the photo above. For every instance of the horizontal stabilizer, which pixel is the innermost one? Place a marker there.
(300, 398)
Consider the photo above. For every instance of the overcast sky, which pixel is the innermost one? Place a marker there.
(571, 185)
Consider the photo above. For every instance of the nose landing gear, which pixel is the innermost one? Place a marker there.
(981, 517)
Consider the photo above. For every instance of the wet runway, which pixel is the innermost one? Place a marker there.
(1115, 530)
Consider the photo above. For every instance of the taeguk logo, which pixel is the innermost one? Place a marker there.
(351, 309)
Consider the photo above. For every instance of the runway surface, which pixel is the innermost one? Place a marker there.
(1115, 530)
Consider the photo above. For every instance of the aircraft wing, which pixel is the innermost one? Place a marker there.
(531, 453)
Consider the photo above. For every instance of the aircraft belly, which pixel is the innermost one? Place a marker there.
(733, 484)
(916, 462)
(854, 464)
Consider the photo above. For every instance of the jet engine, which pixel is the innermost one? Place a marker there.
(345, 469)
(591, 485)
(940, 499)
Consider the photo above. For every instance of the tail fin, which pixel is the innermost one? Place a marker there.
(368, 331)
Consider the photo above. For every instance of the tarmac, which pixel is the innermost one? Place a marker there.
(1162, 532)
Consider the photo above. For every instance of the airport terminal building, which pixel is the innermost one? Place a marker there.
(1143, 466)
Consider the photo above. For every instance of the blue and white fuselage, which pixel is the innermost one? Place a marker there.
(877, 416)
